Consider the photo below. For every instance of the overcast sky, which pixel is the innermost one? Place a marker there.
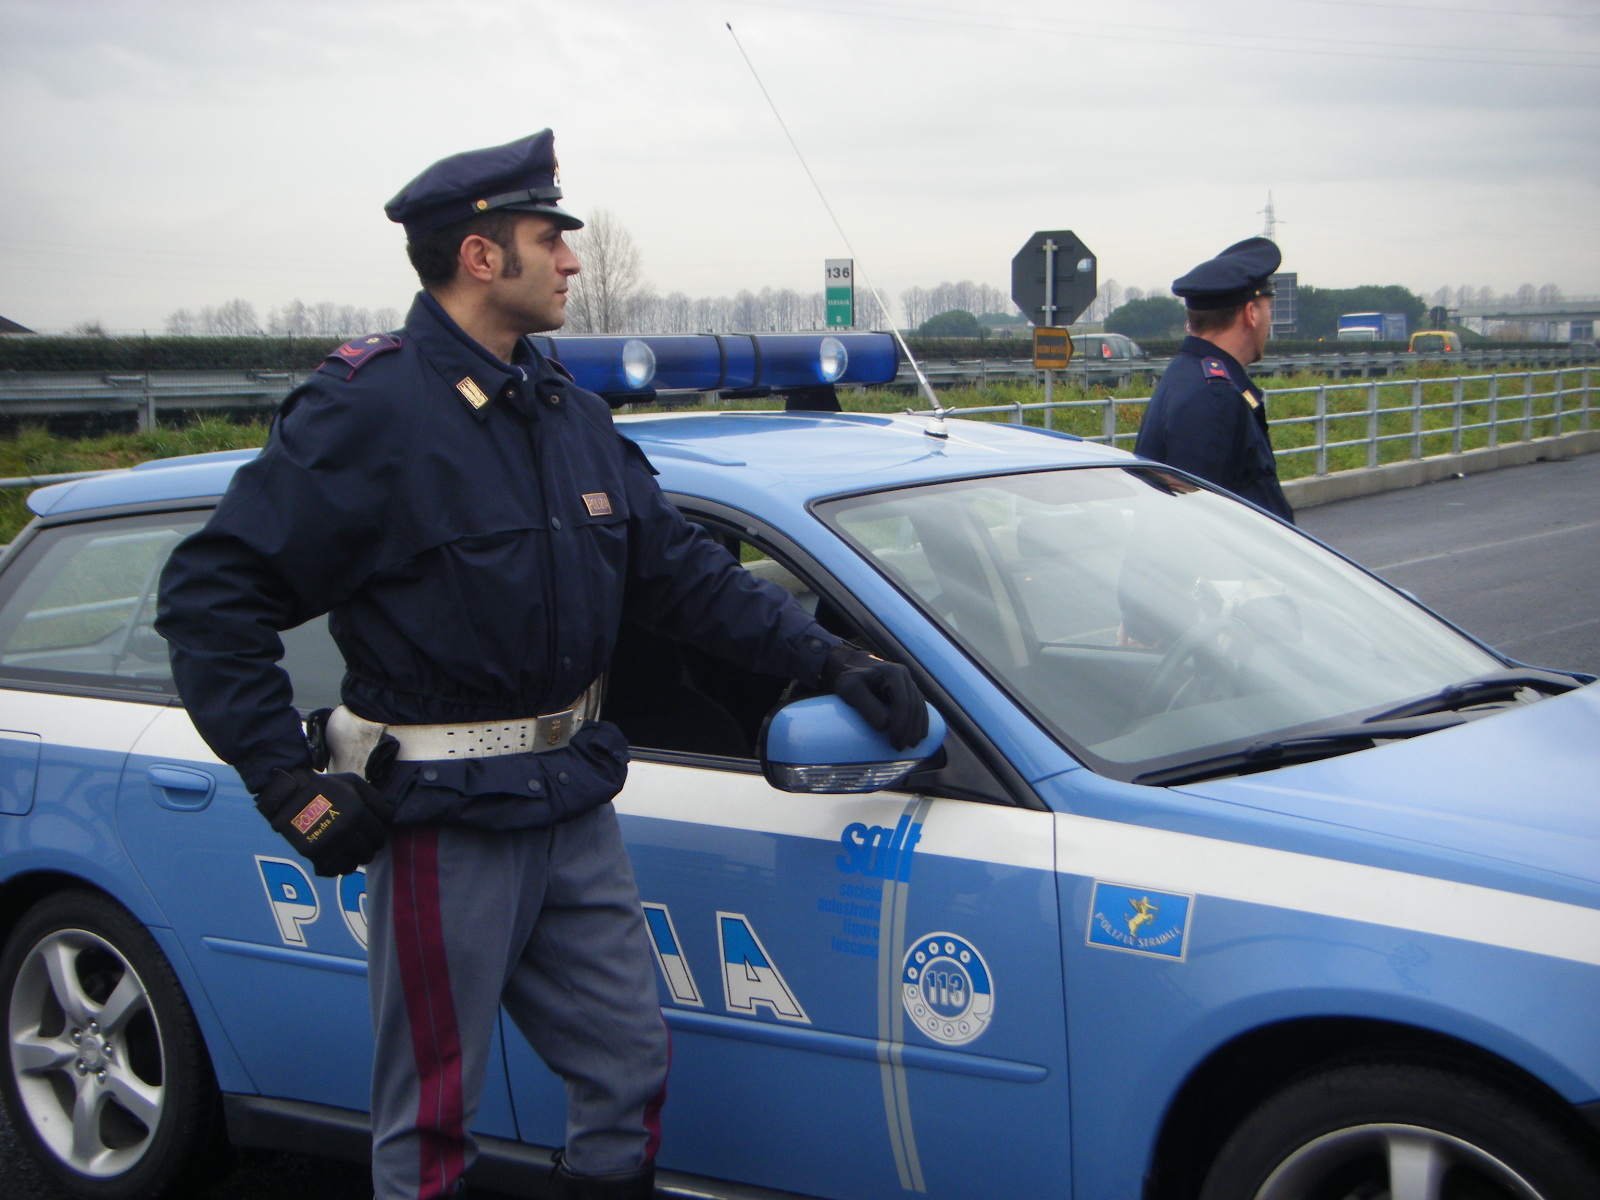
(177, 154)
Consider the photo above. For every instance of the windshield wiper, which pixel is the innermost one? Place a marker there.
(1306, 747)
(1483, 689)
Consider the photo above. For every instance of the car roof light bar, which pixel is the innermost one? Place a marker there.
(750, 363)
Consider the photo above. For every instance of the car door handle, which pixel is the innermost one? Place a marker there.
(180, 788)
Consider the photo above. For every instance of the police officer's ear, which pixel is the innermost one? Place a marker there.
(479, 258)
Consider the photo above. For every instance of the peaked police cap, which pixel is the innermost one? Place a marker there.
(1239, 274)
(520, 176)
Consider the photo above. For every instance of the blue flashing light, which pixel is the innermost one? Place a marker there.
(615, 366)
(603, 364)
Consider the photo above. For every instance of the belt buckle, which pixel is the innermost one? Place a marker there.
(554, 731)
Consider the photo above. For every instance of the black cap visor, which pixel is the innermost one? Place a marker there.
(545, 208)
(1209, 301)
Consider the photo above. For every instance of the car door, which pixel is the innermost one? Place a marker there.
(74, 695)
(280, 953)
(853, 983)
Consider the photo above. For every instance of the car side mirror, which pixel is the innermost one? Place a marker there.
(822, 745)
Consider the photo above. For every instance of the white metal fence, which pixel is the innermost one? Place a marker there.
(1338, 363)
(1429, 416)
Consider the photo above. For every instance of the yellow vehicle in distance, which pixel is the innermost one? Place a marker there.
(1435, 341)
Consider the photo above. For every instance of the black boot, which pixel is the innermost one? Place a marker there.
(630, 1185)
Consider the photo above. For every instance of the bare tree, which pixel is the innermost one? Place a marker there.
(180, 323)
(1107, 300)
(235, 318)
(602, 296)
(89, 329)
(292, 320)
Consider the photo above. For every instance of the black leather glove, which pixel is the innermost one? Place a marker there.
(882, 692)
(331, 820)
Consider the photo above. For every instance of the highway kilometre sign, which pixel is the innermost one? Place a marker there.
(1054, 277)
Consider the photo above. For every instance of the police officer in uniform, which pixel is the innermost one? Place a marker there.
(1207, 417)
(476, 528)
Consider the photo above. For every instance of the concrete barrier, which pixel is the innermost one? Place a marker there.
(1367, 481)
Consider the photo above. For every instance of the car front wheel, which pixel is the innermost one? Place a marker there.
(106, 1077)
(1401, 1132)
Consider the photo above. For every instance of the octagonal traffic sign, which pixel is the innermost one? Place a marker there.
(1054, 277)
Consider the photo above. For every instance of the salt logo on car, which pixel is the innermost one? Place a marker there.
(879, 852)
(946, 988)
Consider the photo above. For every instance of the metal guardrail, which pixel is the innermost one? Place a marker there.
(1511, 410)
(64, 393)
(1338, 363)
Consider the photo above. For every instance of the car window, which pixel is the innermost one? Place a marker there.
(78, 606)
(667, 696)
(1145, 619)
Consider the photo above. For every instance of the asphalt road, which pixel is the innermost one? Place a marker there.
(1512, 556)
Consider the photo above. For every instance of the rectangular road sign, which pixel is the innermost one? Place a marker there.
(1052, 348)
(1284, 304)
(839, 292)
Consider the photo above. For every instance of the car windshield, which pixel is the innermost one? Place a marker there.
(1148, 622)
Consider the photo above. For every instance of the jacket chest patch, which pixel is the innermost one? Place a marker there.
(598, 504)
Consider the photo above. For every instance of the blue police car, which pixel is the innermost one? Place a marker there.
(1229, 871)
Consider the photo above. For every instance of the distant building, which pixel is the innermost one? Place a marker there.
(12, 327)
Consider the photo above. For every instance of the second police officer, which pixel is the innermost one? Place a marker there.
(1207, 416)
(477, 529)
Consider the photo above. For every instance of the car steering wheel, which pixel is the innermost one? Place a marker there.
(1201, 643)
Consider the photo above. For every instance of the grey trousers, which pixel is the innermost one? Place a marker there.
(544, 921)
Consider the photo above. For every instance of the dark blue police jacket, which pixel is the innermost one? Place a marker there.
(476, 530)
(1206, 417)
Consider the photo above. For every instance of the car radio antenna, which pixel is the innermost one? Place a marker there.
(936, 428)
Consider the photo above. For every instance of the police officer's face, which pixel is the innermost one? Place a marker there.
(531, 288)
(1263, 329)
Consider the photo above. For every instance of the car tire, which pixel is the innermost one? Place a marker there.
(1401, 1132)
(105, 1075)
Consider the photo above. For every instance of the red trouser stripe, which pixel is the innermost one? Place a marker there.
(652, 1111)
(431, 1010)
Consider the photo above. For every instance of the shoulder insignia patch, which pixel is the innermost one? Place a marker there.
(1214, 368)
(471, 392)
(357, 353)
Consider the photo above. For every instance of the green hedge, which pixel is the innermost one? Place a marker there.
(163, 353)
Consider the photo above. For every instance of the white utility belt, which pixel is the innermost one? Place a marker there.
(351, 739)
